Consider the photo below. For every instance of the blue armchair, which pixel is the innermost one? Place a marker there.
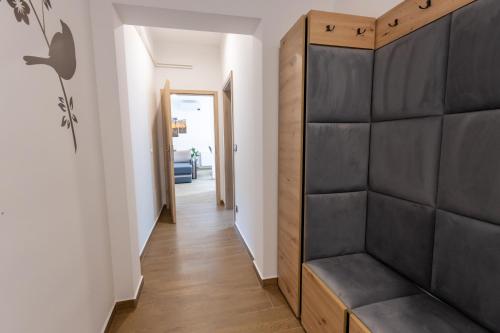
(183, 167)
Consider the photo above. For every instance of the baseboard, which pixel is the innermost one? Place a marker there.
(264, 282)
(151, 232)
(123, 305)
(244, 241)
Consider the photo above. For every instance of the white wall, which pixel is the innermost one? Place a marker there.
(199, 118)
(242, 55)
(205, 59)
(54, 239)
(364, 7)
(144, 123)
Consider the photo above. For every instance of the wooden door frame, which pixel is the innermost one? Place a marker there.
(228, 121)
(215, 96)
(168, 152)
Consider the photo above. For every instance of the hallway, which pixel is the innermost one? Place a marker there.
(198, 277)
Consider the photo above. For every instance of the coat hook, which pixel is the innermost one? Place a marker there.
(361, 31)
(330, 28)
(427, 5)
(395, 24)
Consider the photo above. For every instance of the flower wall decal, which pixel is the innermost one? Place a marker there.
(61, 56)
(21, 10)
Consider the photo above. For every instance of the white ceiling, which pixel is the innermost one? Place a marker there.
(164, 36)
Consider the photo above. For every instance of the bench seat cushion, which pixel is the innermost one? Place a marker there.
(415, 314)
(359, 279)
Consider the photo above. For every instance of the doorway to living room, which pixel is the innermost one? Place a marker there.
(194, 124)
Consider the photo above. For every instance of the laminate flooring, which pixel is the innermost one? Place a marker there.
(198, 277)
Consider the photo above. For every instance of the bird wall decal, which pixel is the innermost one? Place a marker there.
(62, 56)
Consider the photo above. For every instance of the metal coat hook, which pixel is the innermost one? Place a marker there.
(361, 31)
(395, 24)
(330, 28)
(427, 5)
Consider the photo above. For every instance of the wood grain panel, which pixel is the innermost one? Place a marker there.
(322, 310)
(341, 30)
(411, 15)
(169, 150)
(356, 326)
(290, 162)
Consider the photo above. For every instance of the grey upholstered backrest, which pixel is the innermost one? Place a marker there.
(431, 190)
(339, 85)
(466, 270)
(434, 184)
(408, 106)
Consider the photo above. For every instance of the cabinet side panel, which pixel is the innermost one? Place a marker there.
(290, 162)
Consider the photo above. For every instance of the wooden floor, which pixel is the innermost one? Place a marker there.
(198, 277)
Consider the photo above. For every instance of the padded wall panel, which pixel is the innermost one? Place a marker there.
(410, 74)
(334, 224)
(339, 84)
(401, 234)
(404, 158)
(470, 166)
(474, 63)
(467, 267)
(336, 157)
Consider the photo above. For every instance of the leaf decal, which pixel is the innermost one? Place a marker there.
(47, 4)
(74, 118)
(62, 106)
(61, 100)
(71, 103)
(64, 121)
(67, 124)
(21, 10)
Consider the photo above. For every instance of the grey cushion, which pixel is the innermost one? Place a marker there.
(334, 224)
(415, 314)
(183, 168)
(359, 279)
(404, 158)
(474, 62)
(339, 82)
(466, 269)
(401, 234)
(470, 167)
(336, 157)
(410, 74)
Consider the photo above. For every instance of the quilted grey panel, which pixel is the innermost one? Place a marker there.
(474, 61)
(410, 74)
(336, 157)
(415, 314)
(404, 158)
(339, 84)
(401, 234)
(466, 270)
(334, 224)
(470, 167)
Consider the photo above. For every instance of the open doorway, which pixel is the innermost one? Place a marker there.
(195, 142)
(191, 139)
